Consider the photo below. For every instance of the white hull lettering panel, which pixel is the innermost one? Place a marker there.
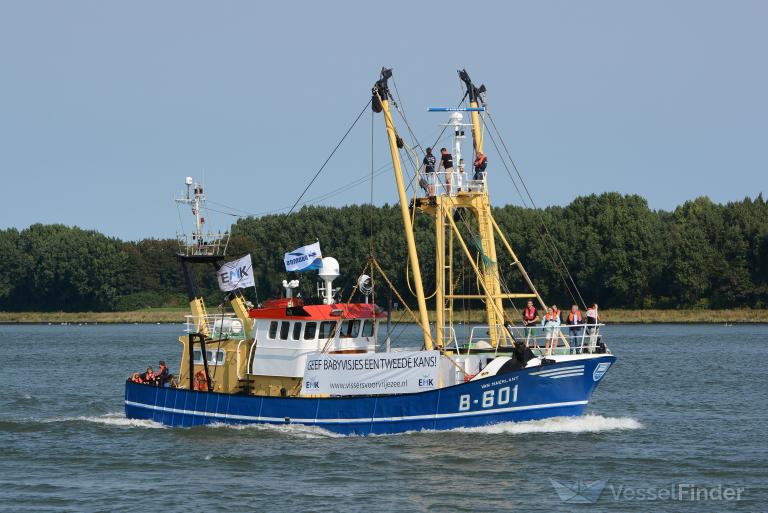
(373, 373)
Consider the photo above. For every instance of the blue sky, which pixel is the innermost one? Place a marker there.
(107, 106)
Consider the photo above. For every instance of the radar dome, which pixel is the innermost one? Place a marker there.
(330, 269)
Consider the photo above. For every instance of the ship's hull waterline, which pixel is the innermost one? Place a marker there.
(562, 389)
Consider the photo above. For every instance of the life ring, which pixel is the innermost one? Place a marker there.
(201, 383)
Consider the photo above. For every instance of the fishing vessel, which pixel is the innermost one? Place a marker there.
(325, 360)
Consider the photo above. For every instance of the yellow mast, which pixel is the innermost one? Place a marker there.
(474, 94)
(471, 198)
(381, 104)
(485, 221)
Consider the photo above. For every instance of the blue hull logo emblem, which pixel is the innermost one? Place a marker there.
(600, 370)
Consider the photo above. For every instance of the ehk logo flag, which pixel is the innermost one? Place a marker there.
(305, 258)
(236, 275)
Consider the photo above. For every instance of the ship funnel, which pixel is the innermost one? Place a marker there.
(328, 272)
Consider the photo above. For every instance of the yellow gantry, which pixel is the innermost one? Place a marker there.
(475, 204)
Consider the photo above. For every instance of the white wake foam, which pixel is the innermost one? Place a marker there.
(297, 430)
(111, 419)
(583, 424)
(119, 419)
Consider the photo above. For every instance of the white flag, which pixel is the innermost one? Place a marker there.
(305, 258)
(236, 275)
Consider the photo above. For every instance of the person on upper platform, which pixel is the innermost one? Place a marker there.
(446, 162)
(481, 162)
(428, 168)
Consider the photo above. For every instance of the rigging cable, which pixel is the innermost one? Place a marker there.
(351, 185)
(533, 204)
(548, 243)
(330, 156)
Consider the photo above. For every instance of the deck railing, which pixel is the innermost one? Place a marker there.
(219, 326)
(564, 339)
(437, 183)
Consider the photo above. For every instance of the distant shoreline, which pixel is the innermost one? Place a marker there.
(176, 316)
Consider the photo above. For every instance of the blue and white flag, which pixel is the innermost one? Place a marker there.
(236, 275)
(303, 259)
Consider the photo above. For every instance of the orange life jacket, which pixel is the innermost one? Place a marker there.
(201, 383)
(578, 317)
(529, 314)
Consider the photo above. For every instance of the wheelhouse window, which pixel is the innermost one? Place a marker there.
(326, 328)
(296, 331)
(350, 329)
(285, 326)
(368, 328)
(272, 329)
(310, 331)
(214, 357)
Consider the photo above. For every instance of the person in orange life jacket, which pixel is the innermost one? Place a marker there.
(530, 318)
(149, 376)
(556, 311)
(446, 162)
(136, 378)
(551, 323)
(162, 374)
(574, 329)
(481, 162)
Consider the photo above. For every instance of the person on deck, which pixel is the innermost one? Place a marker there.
(149, 376)
(446, 162)
(556, 311)
(574, 328)
(593, 319)
(481, 162)
(161, 378)
(551, 323)
(530, 318)
(428, 167)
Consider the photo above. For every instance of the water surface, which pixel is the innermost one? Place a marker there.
(683, 404)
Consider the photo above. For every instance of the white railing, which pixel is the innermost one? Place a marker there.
(438, 183)
(563, 339)
(211, 244)
(219, 326)
(449, 338)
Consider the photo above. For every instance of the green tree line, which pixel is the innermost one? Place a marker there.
(618, 251)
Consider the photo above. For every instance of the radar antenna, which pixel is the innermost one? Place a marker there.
(200, 243)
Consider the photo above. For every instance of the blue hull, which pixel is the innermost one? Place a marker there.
(561, 389)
